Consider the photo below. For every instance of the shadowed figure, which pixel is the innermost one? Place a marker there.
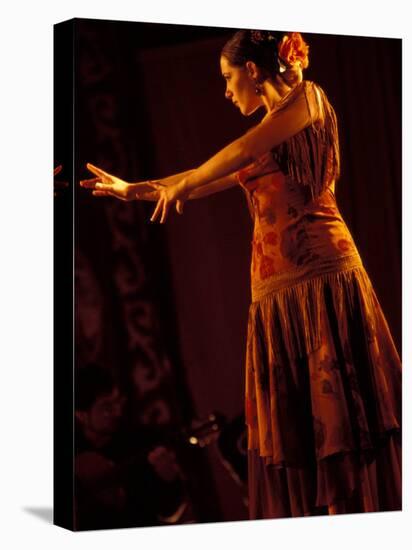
(124, 478)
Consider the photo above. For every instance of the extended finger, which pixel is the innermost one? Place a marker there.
(179, 206)
(157, 210)
(89, 183)
(104, 186)
(58, 169)
(165, 210)
(96, 170)
(107, 194)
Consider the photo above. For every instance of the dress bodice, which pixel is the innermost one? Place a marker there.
(298, 229)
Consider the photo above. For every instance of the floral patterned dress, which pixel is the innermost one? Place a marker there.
(323, 376)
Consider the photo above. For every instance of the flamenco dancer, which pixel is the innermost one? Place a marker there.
(323, 376)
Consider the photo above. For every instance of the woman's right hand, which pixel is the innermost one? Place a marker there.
(107, 185)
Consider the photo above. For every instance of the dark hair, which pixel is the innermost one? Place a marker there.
(261, 47)
(91, 382)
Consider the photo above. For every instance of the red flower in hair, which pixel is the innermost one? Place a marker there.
(293, 49)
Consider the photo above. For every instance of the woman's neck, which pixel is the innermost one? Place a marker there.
(273, 92)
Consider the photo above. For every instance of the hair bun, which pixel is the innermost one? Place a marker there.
(263, 37)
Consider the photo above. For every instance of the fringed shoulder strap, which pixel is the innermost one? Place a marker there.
(311, 157)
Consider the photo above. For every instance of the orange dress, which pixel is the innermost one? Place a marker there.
(323, 376)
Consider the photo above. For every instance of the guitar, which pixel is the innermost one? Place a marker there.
(95, 473)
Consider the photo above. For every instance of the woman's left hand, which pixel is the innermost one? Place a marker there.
(167, 197)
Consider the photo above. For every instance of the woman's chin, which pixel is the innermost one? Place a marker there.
(247, 112)
(255, 108)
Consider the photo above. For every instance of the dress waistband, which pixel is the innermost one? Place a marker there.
(284, 279)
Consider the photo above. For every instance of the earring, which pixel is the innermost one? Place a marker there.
(258, 88)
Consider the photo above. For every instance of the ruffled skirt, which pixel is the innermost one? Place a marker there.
(323, 400)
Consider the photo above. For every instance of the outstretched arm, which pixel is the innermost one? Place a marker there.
(299, 111)
(107, 185)
(214, 187)
(171, 180)
(145, 192)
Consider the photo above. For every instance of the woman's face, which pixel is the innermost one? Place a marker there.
(240, 88)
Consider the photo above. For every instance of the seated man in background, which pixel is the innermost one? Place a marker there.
(123, 478)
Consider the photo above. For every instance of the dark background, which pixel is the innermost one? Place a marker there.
(166, 306)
